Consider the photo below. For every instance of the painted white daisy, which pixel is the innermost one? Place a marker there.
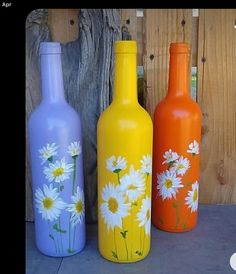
(77, 207)
(170, 157)
(47, 152)
(144, 215)
(58, 171)
(181, 165)
(132, 184)
(74, 149)
(192, 198)
(116, 164)
(48, 202)
(193, 148)
(168, 184)
(146, 164)
(114, 208)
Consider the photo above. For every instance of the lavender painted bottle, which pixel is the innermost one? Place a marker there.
(56, 163)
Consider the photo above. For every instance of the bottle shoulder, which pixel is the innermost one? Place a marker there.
(57, 112)
(180, 106)
(116, 114)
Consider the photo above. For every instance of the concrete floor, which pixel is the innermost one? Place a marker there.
(206, 249)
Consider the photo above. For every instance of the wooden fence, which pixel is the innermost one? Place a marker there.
(212, 35)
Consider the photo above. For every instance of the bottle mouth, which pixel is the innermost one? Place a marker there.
(179, 47)
(127, 46)
(50, 48)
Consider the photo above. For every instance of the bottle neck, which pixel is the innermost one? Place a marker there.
(52, 78)
(125, 84)
(178, 75)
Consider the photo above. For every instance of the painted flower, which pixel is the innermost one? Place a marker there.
(47, 152)
(116, 164)
(192, 198)
(114, 208)
(48, 202)
(144, 215)
(146, 162)
(77, 207)
(170, 157)
(132, 184)
(168, 184)
(181, 165)
(58, 171)
(74, 149)
(193, 148)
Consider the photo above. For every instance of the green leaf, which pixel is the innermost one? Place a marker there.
(138, 253)
(50, 159)
(51, 236)
(160, 221)
(61, 188)
(123, 234)
(70, 250)
(170, 164)
(114, 254)
(117, 170)
(175, 205)
(58, 229)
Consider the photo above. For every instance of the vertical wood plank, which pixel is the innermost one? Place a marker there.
(63, 24)
(162, 26)
(217, 98)
(129, 20)
(134, 26)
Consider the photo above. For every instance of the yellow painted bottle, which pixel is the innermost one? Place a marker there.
(124, 146)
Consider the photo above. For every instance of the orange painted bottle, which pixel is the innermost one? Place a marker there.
(177, 134)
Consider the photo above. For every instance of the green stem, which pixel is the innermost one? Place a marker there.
(115, 242)
(73, 245)
(185, 223)
(127, 253)
(177, 216)
(118, 175)
(58, 244)
(74, 176)
(140, 238)
(53, 237)
(131, 248)
(69, 233)
(59, 224)
(143, 239)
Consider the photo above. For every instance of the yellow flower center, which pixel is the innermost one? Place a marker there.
(195, 194)
(79, 206)
(113, 205)
(132, 187)
(57, 172)
(48, 203)
(180, 166)
(168, 183)
(148, 214)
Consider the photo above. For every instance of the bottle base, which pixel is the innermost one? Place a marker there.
(174, 230)
(62, 255)
(123, 261)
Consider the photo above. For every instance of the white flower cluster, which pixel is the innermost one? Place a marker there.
(48, 200)
(169, 181)
(118, 199)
